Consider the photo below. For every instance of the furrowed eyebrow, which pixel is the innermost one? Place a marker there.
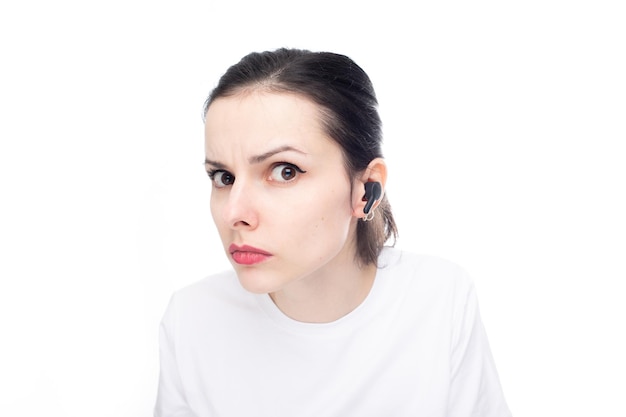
(257, 158)
(260, 158)
(216, 164)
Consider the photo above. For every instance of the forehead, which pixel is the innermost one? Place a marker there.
(254, 119)
(260, 109)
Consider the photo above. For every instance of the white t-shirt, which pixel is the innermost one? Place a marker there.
(415, 347)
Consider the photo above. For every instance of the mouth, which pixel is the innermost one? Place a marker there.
(248, 255)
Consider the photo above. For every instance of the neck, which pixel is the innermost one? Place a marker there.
(326, 297)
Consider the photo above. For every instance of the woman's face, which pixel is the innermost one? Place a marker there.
(281, 198)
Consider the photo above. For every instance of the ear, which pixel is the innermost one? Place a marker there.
(376, 171)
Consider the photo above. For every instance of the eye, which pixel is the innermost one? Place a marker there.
(285, 172)
(221, 178)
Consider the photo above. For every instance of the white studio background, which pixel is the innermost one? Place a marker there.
(504, 126)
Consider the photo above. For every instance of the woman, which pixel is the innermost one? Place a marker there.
(318, 318)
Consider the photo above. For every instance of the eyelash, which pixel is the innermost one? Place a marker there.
(214, 172)
(288, 165)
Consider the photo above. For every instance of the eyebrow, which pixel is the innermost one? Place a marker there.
(258, 158)
(285, 148)
(216, 164)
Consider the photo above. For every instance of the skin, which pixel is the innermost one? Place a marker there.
(280, 185)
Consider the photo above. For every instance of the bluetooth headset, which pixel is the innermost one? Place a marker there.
(373, 191)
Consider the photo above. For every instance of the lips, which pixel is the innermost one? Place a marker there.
(248, 255)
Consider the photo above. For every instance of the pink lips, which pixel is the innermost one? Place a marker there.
(248, 255)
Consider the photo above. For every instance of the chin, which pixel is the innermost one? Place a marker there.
(256, 282)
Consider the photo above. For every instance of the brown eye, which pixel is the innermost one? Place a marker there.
(222, 179)
(285, 172)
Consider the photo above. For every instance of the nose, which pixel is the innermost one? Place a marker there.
(239, 212)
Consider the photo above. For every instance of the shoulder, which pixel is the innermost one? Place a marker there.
(427, 292)
(422, 268)
(430, 284)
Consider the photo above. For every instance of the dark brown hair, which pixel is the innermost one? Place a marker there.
(350, 116)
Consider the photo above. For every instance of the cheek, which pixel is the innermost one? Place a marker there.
(328, 214)
(214, 209)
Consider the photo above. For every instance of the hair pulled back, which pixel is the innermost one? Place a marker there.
(349, 109)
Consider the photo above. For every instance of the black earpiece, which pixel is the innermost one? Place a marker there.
(373, 191)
